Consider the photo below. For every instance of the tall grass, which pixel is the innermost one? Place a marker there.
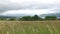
(30, 27)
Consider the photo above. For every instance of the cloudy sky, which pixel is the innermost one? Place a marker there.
(8, 7)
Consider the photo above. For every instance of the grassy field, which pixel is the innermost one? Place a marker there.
(30, 27)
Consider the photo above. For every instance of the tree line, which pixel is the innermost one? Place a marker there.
(31, 18)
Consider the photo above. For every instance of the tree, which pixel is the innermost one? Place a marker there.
(12, 19)
(2, 18)
(35, 17)
(26, 18)
(50, 17)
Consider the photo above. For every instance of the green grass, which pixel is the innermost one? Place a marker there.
(30, 27)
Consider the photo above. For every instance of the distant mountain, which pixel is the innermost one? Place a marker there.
(17, 15)
(21, 15)
(6, 17)
(51, 14)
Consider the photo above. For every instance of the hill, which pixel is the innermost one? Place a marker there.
(52, 14)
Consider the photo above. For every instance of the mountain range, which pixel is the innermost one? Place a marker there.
(20, 15)
(51, 14)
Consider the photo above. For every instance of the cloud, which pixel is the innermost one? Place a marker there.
(11, 6)
(26, 12)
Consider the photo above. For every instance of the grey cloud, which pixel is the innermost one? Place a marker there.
(6, 6)
(56, 9)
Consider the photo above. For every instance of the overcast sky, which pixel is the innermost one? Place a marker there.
(29, 6)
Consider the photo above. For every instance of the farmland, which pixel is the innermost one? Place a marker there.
(30, 27)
